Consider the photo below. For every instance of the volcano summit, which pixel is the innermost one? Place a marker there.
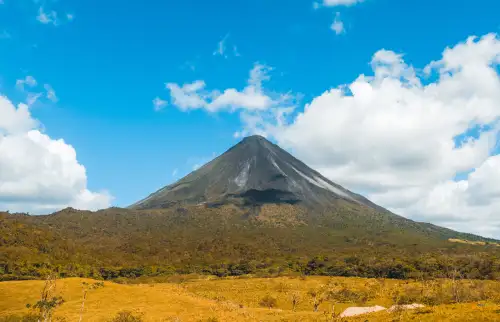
(253, 172)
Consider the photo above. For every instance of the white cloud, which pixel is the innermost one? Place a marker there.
(32, 98)
(15, 120)
(188, 96)
(29, 81)
(28, 84)
(392, 136)
(221, 47)
(333, 3)
(338, 25)
(51, 93)
(37, 173)
(174, 173)
(236, 53)
(49, 17)
(224, 50)
(159, 104)
(252, 97)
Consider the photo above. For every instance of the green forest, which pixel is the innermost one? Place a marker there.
(270, 240)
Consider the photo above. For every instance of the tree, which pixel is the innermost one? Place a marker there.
(48, 302)
(317, 297)
(295, 297)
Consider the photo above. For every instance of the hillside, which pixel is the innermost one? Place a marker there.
(275, 239)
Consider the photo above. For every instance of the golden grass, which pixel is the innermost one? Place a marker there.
(237, 299)
(469, 242)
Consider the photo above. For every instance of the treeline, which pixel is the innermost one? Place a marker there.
(426, 267)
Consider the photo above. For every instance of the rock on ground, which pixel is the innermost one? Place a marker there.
(353, 311)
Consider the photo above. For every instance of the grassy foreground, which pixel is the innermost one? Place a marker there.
(256, 299)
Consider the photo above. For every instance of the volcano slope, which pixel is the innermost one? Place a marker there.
(254, 209)
(253, 172)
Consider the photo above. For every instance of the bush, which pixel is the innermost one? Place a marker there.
(282, 287)
(346, 295)
(268, 301)
(126, 316)
(408, 295)
(341, 293)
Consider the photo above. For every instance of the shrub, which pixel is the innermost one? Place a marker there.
(212, 319)
(126, 316)
(282, 287)
(268, 301)
(342, 294)
(408, 295)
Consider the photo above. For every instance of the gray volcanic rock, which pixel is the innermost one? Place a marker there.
(253, 172)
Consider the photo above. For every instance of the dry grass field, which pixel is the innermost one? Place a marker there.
(256, 299)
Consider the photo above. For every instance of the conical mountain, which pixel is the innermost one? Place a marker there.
(254, 171)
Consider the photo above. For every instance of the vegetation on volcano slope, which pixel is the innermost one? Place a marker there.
(269, 241)
(241, 299)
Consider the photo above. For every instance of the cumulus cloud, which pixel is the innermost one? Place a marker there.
(188, 96)
(195, 95)
(37, 173)
(338, 25)
(401, 136)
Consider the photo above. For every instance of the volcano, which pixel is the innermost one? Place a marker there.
(253, 172)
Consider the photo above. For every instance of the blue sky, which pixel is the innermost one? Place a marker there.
(112, 58)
